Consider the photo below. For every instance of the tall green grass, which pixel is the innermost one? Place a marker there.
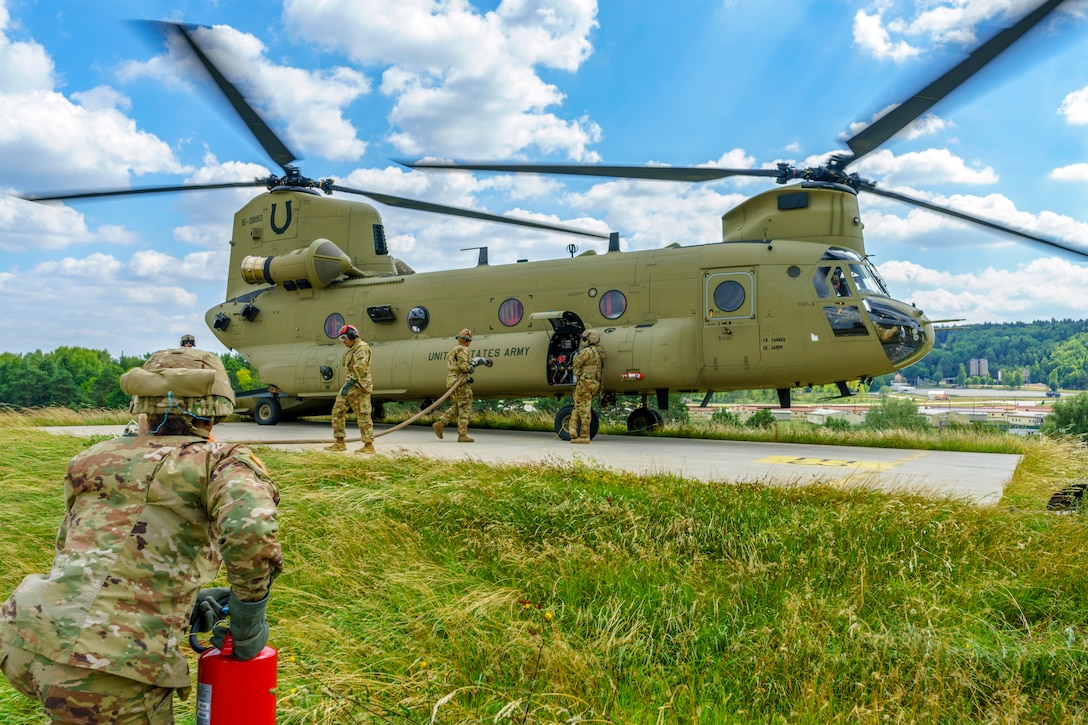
(422, 591)
(950, 439)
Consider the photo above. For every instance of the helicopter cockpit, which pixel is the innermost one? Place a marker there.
(830, 279)
(846, 277)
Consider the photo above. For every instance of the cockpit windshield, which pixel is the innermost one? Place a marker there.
(844, 271)
(862, 271)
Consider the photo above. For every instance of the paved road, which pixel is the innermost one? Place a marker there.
(980, 477)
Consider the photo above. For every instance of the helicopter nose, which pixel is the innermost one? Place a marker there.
(905, 333)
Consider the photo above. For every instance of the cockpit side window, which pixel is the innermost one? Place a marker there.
(863, 279)
(819, 281)
(831, 282)
(838, 283)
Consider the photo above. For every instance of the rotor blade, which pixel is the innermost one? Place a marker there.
(904, 114)
(654, 173)
(268, 140)
(145, 190)
(403, 203)
(976, 220)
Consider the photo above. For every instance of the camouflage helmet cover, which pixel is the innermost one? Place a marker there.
(186, 378)
(465, 335)
(592, 337)
(188, 340)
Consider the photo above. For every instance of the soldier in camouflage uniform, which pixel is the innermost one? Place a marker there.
(355, 394)
(149, 520)
(588, 366)
(458, 363)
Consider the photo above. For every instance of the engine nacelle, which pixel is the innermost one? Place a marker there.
(318, 265)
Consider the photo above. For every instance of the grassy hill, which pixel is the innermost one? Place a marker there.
(421, 591)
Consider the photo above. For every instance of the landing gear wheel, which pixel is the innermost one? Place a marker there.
(377, 412)
(644, 419)
(562, 422)
(267, 411)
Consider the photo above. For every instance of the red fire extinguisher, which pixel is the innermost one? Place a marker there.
(230, 691)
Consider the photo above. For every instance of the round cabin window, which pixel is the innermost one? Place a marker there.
(729, 295)
(418, 319)
(510, 312)
(333, 323)
(613, 304)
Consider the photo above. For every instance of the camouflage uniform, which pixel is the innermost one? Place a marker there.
(588, 366)
(149, 520)
(357, 367)
(458, 363)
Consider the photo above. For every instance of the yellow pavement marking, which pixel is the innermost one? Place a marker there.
(856, 463)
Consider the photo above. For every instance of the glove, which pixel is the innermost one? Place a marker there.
(248, 628)
(210, 607)
(472, 368)
(485, 361)
(347, 387)
(469, 381)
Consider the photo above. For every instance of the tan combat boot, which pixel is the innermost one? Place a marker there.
(580, 440)
(337, 446)
(462, 438)
(438, 426)
(367, 449)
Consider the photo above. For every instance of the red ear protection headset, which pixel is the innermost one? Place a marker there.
(350, 332)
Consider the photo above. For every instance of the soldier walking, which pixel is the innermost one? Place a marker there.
(588, 366)
(355, 394)
(458, 363)
(149, 519)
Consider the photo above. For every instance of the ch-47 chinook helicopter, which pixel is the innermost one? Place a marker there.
(787, 298)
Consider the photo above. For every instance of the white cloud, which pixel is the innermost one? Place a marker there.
(1073, 172)
(993, 295)
(465, 83)
(312, 102)
(136, 305)
(653, 214)
(870, 35)
(926, 125)
(428, 242)
(1075, 107)
(49, 142)
(24, 66)
(212, 212)
(26, 226)
(881, 219)
(932, 166)
(888, 31)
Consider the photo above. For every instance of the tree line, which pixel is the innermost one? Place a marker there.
(76, 377)
(1054, 353)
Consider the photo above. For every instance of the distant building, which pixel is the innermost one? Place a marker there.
(979, 367)
(1026, 422)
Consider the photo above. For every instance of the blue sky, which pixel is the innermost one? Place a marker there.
(87, 101)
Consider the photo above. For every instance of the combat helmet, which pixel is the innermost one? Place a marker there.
(592, 337)
(184, 380)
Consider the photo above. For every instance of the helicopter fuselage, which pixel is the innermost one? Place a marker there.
(738, 314)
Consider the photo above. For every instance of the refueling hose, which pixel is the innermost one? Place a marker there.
(460, 381)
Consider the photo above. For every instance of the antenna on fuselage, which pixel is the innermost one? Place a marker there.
(482, 260)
